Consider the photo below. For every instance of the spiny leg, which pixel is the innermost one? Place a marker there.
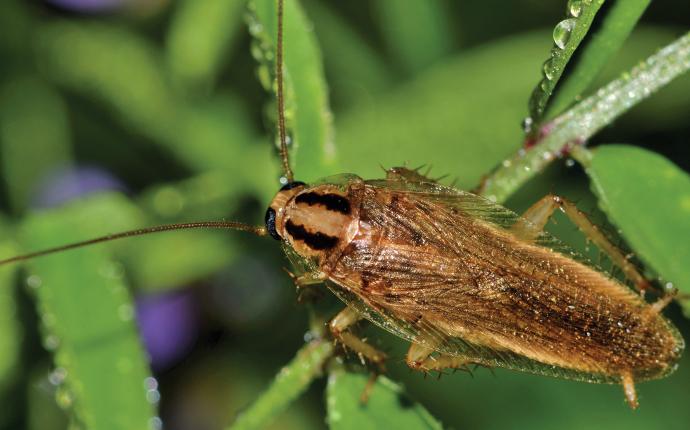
(536, 217)
(304, 283)
(419, 358)
(339, 326)
(629, 389)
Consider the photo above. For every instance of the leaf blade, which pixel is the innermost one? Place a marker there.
(387, 406)
(648, 198)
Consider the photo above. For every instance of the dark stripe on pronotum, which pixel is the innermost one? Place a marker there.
(317, 241)
(332, 202)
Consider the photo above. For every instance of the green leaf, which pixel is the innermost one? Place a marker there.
(440, 117)
(589, 116)
(566, 76)
(417, 33)
(387, 407)
(114, 65)
(87, 316)
(31, 112)
(648, 198)
(289, 384)
(195, 52)
(356, 70)
(309, 118)
(11, 332)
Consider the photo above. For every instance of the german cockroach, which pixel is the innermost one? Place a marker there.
(465, 280)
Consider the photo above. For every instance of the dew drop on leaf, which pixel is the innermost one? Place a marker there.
(561, 34)
(575, 8)
(549, 69)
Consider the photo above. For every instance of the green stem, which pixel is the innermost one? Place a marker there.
(288, 385)
(589, 116)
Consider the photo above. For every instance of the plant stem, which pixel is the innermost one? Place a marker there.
(589, 116)
(288, 385)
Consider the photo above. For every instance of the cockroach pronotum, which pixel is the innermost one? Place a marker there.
(465, 280)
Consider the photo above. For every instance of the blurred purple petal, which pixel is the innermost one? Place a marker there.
(168, 323)
(66, 184)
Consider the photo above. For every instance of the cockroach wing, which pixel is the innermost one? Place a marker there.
(442, 272)
(477, 207)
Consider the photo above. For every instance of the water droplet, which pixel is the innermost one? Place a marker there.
(150, 383)
(34, 281)
(51, 342)
(527, 124)
(156, 423)
(63, 397)
(544, 85)
(562, 31)
(283, 180)
(264, 75)
(549, 69)
(507, 163)
(575, 8)
(569, 162)
(153, 396)
(57, 376)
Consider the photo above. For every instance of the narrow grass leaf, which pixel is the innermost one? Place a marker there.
(87, 316)
(290, 383)
(416, 33)
(309, 118)
(196, 52)
(589, 116)
(387, 407)
(583, 42)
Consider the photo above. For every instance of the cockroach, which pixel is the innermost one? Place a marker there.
(465, 280)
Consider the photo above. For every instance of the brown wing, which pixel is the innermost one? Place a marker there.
(437, 267)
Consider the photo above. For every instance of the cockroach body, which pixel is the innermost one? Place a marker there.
(458, 275)
(465, 280)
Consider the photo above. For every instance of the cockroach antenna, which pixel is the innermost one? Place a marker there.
(281, 98)
(231, 225)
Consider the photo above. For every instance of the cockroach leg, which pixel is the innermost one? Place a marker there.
(339, 326)
(304, 284)
(536, 217)
(420, 358)
(662, 302)
(629, 390)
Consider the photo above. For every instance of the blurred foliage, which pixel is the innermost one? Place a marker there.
(171, 104)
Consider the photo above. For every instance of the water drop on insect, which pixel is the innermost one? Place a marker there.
(569, 162)
(283, 180)
(574, 8)
(562, 31)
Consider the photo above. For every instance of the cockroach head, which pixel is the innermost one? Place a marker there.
(283, 196)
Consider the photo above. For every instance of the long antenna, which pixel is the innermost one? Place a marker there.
(281, 97)
(259, 231)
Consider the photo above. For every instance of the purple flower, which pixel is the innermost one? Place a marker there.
(66, 184)
(168, 323)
